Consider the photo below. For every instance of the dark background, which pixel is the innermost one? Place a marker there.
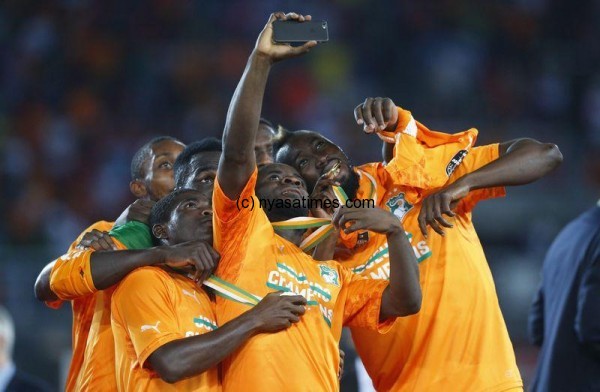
(85, 83)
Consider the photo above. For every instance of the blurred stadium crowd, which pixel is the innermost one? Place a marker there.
(85, 83)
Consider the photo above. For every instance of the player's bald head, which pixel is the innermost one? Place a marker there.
(140, 159)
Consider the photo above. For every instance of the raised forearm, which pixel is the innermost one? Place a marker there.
(110, 267)
(521, 162)
(402, 297)
(191, 356)
(42, 289)
(238, 159)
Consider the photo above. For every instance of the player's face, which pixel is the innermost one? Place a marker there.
(279, 181)
(191, 218)
(263, 148)
(315, 156)
(159, 174)
(202, 177)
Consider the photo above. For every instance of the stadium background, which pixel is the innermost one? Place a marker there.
(84, 83)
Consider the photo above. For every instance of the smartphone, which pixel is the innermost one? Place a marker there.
(288, 31)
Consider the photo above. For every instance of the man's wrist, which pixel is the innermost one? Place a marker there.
(395, 229)
(259, 59)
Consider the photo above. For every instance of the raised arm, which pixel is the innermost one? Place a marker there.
(520, 162)
(238, 159)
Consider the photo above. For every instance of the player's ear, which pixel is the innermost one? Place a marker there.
(159, 231)
(138, 188)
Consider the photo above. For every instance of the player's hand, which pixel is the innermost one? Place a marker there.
(322, 197)
(377, 114)
(265, 46)
(351, 219)
(97, 240)
(197, 254)
(441, 203)
(139, 211)
(341, 369)
(276, 312)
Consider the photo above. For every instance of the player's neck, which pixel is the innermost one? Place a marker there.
(294, 236)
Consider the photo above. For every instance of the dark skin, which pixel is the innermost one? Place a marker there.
(521, 161)
(204, 172)
(263, 149)
(238, 162)
(194, 355)
(157, 181)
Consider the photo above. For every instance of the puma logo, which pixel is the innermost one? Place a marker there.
(149, 327)
(190, 294)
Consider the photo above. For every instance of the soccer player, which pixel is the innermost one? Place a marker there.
(82, 276)
(459, 339)
(166, 335)
(260, 259)
(196, 166)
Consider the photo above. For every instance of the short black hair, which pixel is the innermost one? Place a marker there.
(182, 167)
(141, 155)
(161, 211)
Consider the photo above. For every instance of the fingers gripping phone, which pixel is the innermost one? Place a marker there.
(290, 31)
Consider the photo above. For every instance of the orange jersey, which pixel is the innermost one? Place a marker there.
(459, 339)
(151, 308)
(93, 346)
(304, 357)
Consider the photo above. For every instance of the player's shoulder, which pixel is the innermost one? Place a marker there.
(143, 278)
(100, 226)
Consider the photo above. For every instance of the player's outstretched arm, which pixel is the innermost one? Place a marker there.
(521, 162)
(238, 159)
(402, 297)
(191, 356)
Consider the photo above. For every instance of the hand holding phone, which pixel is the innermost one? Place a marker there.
(291, 31)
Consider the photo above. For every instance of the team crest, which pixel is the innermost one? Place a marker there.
(329, 275)
(455, 161)
(399, 206)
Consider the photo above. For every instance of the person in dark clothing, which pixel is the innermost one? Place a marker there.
(12, 379)
(565, 315)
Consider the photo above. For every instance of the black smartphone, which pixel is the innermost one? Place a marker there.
(288, 31)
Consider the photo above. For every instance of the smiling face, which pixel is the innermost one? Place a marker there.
(277, 181)
(314, 156)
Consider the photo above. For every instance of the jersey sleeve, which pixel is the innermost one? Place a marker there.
(71, 276)
(475, 159)
(65, 286)
(144, 305)
(134, 235)
(363, 302)
(234, 221)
